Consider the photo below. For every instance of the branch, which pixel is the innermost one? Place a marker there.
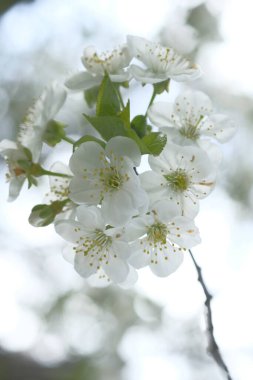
(213, 347)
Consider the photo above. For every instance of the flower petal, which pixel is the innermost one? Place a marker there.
(162, 114)
(139, 259)
(83, 81)
(90, 217)
(164, 267)
(16, 184)
(220, 127)
(115, 268)
(123, 146)
(83, 192)
(117, 208)
(69, 230)
(82, 265)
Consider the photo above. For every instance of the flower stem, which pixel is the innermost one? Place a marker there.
(68, 139)
(151, 100)
(54, 174)
(213, 347)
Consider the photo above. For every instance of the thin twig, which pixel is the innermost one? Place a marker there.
(213, 347)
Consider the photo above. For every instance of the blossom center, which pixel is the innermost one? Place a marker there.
(157, 233)
(177, 180)
(18, 171)
(111, 179)
(191, 131)
(96, 246)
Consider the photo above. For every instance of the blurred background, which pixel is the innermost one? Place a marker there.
(54, 324)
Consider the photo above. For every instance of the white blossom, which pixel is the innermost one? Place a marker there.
(16, 176)
(107, 176)
(31, 131)
(30, 136)
(160, 63)
(94, 245)
(114, 63)
(181, 174)
(190, 119)
(59, 190)
(179, 35)
(159, 238)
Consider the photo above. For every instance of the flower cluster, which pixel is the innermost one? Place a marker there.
(117, 217)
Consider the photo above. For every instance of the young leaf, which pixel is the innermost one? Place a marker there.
(108, 102)
(125, 115)
(107, 126)
(139, 125)
(155, 142)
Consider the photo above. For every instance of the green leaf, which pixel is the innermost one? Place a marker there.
(91, 95)
(108, 102)
(155, 142)
(139, 125)
(54, 133)
(88, 138)
(125, 115)
(111, 126)
(107, 126)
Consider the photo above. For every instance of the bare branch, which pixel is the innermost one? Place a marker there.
(213, 347)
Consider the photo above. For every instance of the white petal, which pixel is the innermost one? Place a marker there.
(191, 105)
(82, 265)
(6, 144)
(117, 208)
(123, 146)
(136, 228)
(220, 127)
(60, 167)
(115, 268)
(154, 184)
(82, 191)
(138, 45)
(162, 114)
(90, 217)
(131, 279)
(121, 77)
(83, 81)
(122, 249)
(68, 253)
(140, 199)
(184, 232)
(147, 75)
(59, 184)
(213, 151)
(88, 155)
(16, 184)
(139, 259)
(168, 160)
(185, 74)
(53, 98)
(166, 209)
(188, 203)
(164, 267)
(70, 230)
